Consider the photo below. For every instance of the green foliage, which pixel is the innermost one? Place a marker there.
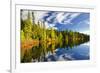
(66, 39)
(60, 37)
(52, 33)
(27, 28)
(22, 36)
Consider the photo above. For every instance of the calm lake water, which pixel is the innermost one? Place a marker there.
(53, 52)
(80, 52)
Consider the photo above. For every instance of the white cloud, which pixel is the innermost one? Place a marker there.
(65, 18)
(70, 17)
(84, 22)
(65, 57)
(24, 14)
(46, 25)
(85, 32)
(52, 16)
(60, 17)
(38, 15)
(51, 25)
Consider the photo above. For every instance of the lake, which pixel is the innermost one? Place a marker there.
(80, 52)
(56, 52)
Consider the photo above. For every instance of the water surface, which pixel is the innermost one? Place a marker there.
(56, 52)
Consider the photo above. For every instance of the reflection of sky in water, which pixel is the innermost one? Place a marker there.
(80, 52)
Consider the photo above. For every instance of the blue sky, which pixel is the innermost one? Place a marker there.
(75, 21)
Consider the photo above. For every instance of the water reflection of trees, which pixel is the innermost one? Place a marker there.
(40, 52)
